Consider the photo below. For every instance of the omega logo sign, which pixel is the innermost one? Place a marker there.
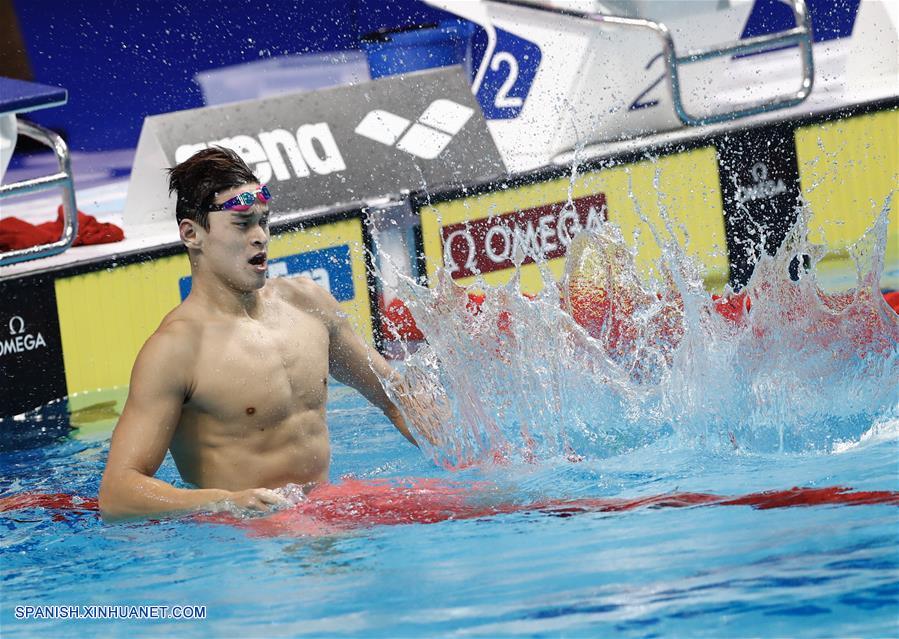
(19, 341)
(763, 188)
(545, 232)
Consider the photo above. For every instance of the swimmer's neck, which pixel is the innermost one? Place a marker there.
(216, 294)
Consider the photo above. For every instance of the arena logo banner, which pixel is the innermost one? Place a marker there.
(481, 233)
(31, 368)
(317, 149)
(427, 137)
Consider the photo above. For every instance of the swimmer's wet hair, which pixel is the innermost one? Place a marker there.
(201, 176)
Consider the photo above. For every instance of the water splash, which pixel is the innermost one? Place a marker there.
(623, 362)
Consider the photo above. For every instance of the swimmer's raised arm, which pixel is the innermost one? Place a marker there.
(357, 364)
(160, 382)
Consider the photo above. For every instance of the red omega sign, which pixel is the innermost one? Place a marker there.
(489, 244)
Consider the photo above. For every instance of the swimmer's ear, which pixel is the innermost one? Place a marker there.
(190, 236)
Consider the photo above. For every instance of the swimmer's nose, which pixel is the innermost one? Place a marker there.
(260, 238)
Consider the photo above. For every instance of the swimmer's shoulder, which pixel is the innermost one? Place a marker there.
(304, 294)
(167, 361)
(174, 344)
(181, 324)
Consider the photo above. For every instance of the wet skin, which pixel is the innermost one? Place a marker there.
(257, 400)
(234, 380)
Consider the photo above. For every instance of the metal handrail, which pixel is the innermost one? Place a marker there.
(800, 35)
(62, 179)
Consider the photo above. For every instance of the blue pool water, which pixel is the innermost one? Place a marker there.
(667, 398)
(701, 571)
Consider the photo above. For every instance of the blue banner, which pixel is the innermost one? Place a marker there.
(508, 79)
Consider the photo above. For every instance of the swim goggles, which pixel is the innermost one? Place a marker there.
(244, 201)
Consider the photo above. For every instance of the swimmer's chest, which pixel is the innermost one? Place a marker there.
(263, 370)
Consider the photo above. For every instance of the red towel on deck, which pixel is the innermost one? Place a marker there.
(18, 234)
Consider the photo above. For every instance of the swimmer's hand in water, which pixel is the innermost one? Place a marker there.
(258, 499)
(428, 409)
(431, 418)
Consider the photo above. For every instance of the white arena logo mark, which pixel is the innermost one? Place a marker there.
(427, 137)
(312, 146)
(19, 341)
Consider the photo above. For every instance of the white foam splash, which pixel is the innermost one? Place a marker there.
(621, 362)
(882, 431)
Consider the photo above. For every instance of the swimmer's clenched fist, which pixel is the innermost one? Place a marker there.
(234, 380)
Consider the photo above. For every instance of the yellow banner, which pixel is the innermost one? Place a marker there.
(480, 233)
(847, 168)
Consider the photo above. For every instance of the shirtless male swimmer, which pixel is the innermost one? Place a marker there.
(234, 380)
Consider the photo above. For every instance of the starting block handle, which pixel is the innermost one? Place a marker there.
(800, 35)
(62, 179)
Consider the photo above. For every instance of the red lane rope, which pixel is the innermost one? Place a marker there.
(50, 501)
(352, 504)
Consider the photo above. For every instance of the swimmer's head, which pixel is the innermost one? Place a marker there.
(198, 180)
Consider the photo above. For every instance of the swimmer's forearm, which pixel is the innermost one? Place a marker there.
(394, 415)
(369, 381)
(131, 494)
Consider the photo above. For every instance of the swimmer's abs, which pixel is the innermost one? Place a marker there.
(253, 455)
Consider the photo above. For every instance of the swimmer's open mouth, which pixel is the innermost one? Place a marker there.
(258, 259)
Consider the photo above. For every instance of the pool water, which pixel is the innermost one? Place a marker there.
(695, 571)
(667, 399)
